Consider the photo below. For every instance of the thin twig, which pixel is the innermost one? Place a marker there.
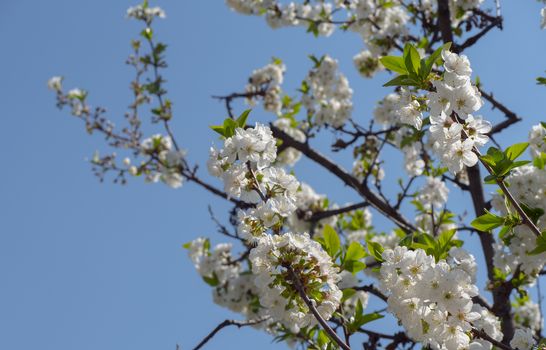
(227, 323)
(370, 288)
(474, 39)
(328, 213)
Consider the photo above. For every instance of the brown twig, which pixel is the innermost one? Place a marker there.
(317, 216)
(370, 288)
(481, 334)
(227, 323)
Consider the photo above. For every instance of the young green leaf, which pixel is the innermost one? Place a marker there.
(541, 245)
(375, 249)
(219, 129)
(241, 121)
(487, 222)
(516, 150)
(402, 80)
(533, 213)
(331, 241)
(394, 63)
(355, 252)
(412, 60)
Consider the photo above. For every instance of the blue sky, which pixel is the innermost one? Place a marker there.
(86, 265)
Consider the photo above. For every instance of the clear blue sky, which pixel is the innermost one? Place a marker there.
(85, 265)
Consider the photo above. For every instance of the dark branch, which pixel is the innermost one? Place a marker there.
(496, 22)
(370, 288)
(227, 323)
(481, 334)
(317, 216)
(374, 200)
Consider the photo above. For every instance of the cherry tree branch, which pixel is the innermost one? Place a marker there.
(370, 288)
(310, 304)
(319, 215)
(512, 117)
(227, 323)
(374, 200)
(496, 22)
(481, 334)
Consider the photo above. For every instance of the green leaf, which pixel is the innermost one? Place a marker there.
(147, 33)
(402, 80)
(394, 63)
(229, 127)
(533, 213)
(516, 150)
(347, 293)
(427, 68)
(355, 252)
(412, 60)
(219, 129)
(407, 241)
(369, 318)
(313, 28)
(540, 161)
(487, 222)
(212, 281)
(375, 249)
(332, 244)
(541, 245)
(241, 121)
(354, 266)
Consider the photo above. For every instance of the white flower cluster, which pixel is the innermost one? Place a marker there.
(434, 193)
(409, 110)
(377, 24)
(289, 156)
(432, 300)
(523, 339)
(465, 5)
(170, 160)
(245, 166)
(527, 185)
(267, 80)
(367, 64)
(527, 315)
(277, 288)
(145, 13)
(385, 113)
(329, 96)
(537, 140)
(488, 323)
(288, 15)
(55, 83)
(454, 139)
(233, 287)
